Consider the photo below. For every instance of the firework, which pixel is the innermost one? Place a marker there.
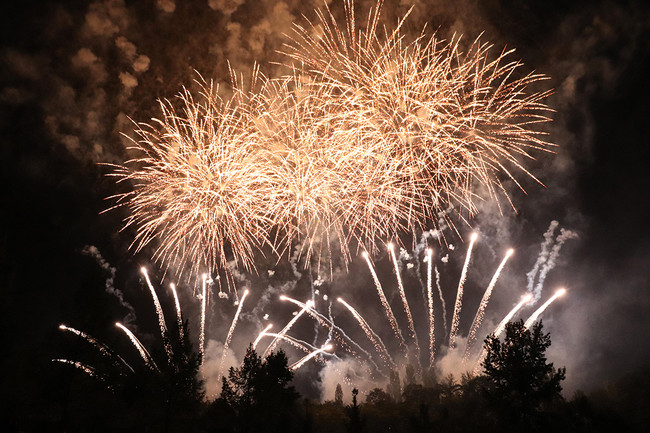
(432, 334)
(159, 312)
(302, 362)
(90, 371)
(373, 135)
(204, 300)
(139, 346)
(372, 335)
(103, 349)
(288, 326)
(262, 334)
(541, 309)
(459, 294)
(402, 293)
(179, 316)
(230, 331)
(483, 305)
(385, 304)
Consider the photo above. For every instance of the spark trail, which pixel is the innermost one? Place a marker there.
(308, 305)
(159, 312)
(262, 334)
(372, 336)
(402, 293)
(148, 360)
(302, 362)
(442, 301)
(179, 315)
(204, 300)
(432, 334)
(340, 334)
(302, 345)
(90, 371)
(459, 294)
(103, 349)
(230, 332)
(541, 309)
(385, 304)
(482, 306)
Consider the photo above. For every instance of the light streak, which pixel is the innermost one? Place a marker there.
(402, 293)
(159, 312)
(459, 294)
(288, 326)
(541, 309)
(385, 304)
(204, 300)
(302, 361)
(103, 349)
(148, 360)
(179, 315)
(372, 335)
(476, 323)
(262, 334)
(230, 332)
(432, 334)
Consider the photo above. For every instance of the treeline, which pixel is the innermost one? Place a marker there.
(518, 391)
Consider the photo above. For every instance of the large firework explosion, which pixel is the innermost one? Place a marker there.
(366, 137)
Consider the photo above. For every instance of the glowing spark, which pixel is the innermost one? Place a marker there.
(230, 331)
(432, 334)
(302, 345)
(302, 361)
(148, 360)
(372, 336)
(103, 349)
(288, 326)
(161, 316)
(262, 334)
(483, 305)
(402, 293)
(90, 371)
(541, 309)
(204, 298)
(340, 334)
(385, 304)
(179, 316)
(459, 294)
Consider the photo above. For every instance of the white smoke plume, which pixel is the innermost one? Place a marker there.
(550, 250)
(93, 251)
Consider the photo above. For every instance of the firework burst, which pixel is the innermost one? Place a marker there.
(370, 136)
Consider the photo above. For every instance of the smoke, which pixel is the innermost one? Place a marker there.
(550, 251)
(92, 251)
(210, 368)
(349, 373)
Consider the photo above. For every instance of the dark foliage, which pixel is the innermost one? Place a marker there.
(522, 384)
(256, 397)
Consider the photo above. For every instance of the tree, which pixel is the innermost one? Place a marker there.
(355, 423)
(338, 395)
(394, 388)
(378, 397)
(259, 393)
(521, 381)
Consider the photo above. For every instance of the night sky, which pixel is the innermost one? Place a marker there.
(74, 72)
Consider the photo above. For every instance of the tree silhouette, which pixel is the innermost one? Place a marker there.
(338, 395)
(521, 381)
(258, 393)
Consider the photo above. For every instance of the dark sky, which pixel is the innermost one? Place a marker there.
(73, 73)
